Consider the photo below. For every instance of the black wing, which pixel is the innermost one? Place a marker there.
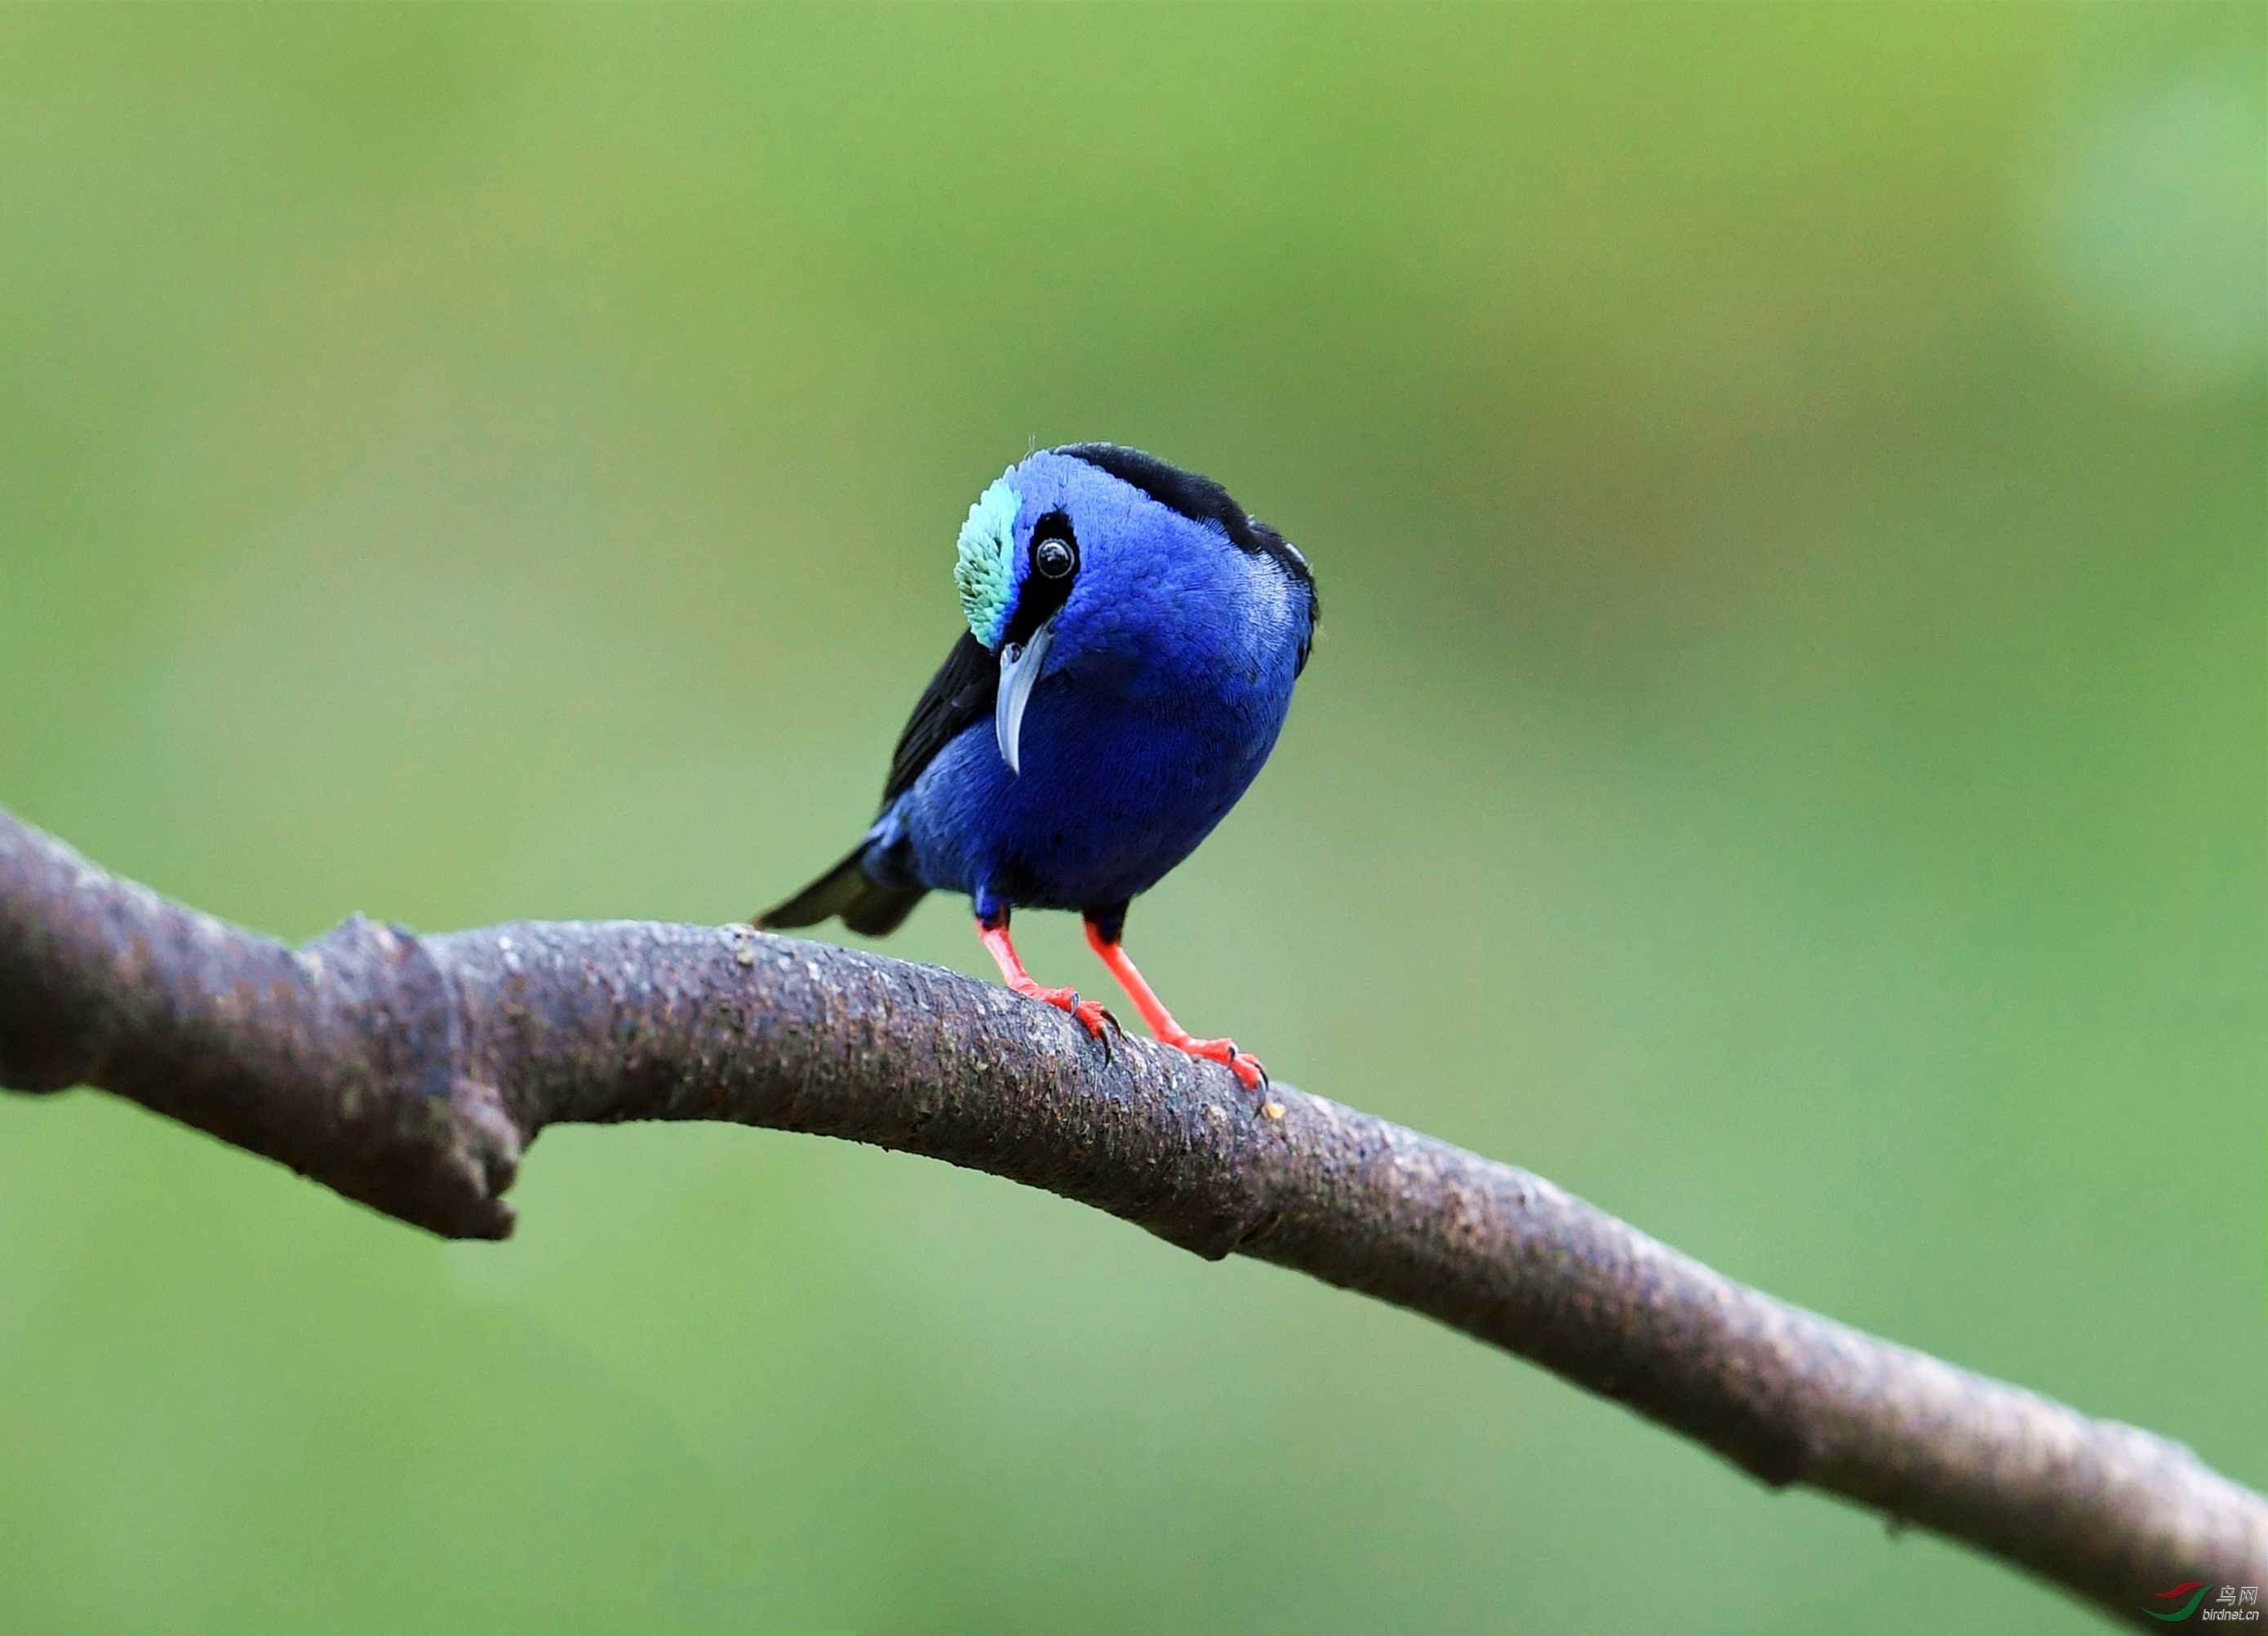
(960, 696)
(847, 890)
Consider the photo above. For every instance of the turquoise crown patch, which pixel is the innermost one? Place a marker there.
(984, 570)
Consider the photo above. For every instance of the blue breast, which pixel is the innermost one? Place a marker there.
(1133, 749)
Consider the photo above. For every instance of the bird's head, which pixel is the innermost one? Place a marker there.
(1096, 546)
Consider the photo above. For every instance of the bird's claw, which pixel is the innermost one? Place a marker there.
(1094, 1017)
(1091, 1015)
(1243, 1064)
(1100, 1025)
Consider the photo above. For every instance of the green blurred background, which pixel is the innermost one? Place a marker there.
(1785, 759)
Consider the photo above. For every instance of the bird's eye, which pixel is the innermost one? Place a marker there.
(1054, 558)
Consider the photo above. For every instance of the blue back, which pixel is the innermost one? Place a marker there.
(1167, 681)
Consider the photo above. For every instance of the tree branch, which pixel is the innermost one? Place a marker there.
(410, 1073)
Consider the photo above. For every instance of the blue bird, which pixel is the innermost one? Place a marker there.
(1133, 638)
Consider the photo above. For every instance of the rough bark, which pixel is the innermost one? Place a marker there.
(411, 1073)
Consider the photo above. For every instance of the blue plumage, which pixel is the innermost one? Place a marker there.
(1134, 639)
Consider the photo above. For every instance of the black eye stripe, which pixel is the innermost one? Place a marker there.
(1046, 586)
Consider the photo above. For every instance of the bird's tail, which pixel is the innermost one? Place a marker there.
(866, 907)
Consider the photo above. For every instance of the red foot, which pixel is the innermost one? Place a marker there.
(1091, 1013)
(1243, 1064)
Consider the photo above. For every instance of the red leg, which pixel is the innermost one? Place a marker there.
(1113, 954)
(1089, 1012)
